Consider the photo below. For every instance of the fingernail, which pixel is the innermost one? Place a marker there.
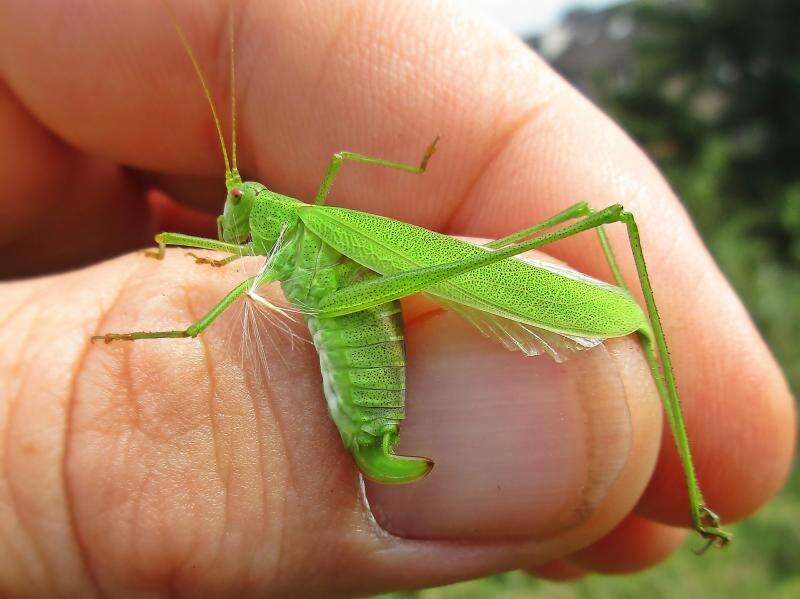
(523, 447)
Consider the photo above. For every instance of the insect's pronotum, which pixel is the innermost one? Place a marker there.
(346, 270)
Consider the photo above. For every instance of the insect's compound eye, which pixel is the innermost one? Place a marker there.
(236, 195)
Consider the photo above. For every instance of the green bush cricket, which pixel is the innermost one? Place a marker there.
(346, 271)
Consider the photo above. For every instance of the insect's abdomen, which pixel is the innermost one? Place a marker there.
(362, 359)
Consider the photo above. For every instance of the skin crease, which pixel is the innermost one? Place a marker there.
(518, 145)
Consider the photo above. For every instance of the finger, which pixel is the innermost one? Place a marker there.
(558, 571)
(178, 464)
(521, 146)
(543, 434)
(168, 215)
(59, 208)
(62, 208)
(636, 544)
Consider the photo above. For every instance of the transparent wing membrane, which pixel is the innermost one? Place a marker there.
(523, 337)
(519, 336)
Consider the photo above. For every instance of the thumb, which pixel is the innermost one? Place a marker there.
(177, 465)
(523, 447)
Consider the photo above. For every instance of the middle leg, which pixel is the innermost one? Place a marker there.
(194, 329)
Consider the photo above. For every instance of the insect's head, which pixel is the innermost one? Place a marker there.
(234, 224)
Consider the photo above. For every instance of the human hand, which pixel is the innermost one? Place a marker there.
(165, 466)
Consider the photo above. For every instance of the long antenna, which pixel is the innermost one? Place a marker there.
(233, 87)
(174, 18)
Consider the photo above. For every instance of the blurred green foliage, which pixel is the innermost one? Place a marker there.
(713, 95)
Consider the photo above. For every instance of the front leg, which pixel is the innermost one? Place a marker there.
(165, 239)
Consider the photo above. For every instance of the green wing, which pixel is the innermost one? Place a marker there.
(533, 306)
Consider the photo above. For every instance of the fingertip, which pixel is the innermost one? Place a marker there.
(742, 438)
(524, 447)
(557, 571)
(168, 215)
(635, 544)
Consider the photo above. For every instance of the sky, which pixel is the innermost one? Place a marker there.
(527, 17)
